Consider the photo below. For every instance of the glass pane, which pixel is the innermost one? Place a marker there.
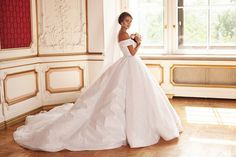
(223, 27)
(151, 28)
(144, 5)
(192, 27)
(192, 2)
(148, 21)
(159, 2)
(222, 2)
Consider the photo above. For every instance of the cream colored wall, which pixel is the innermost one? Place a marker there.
(61, 61)
(95, 26)
(190, 90)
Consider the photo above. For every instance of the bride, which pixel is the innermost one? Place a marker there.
(123, 106)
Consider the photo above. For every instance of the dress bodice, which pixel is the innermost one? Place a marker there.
(123, 46)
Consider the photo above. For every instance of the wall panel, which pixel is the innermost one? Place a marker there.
(61, 26)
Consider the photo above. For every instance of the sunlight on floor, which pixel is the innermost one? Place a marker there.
(210, 115)
(212, 141)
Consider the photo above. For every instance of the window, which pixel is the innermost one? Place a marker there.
(186, 26)
(148, 19)
(207, 24)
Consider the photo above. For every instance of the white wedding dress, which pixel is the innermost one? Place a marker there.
(125, 105)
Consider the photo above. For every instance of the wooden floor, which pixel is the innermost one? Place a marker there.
(209, 131)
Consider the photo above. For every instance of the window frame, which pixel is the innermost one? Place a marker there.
(170, 30)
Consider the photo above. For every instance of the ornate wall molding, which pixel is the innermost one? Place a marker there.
(198, 75)
(162, 71)
(27, 95)
(63, 71)
(62, 26)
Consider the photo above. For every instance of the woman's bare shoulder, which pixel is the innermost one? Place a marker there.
(123, 36)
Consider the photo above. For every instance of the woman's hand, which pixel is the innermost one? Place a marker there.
(132, 36)
(138, 39)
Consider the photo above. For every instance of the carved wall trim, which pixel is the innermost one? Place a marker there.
(22, 97)
(66, 89)
(174, 66)
(162, 71)
(59, 29)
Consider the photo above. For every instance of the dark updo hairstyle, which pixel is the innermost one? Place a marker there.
(123, 16)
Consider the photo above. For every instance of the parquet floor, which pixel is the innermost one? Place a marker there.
(209, 131)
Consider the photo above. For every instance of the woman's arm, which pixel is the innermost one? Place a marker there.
(132, 50)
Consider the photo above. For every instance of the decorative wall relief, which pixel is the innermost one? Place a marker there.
(62, 26)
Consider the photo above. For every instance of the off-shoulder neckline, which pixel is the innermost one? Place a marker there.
(125, 40)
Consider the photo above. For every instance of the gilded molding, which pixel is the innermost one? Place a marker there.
(162, 71)
(61, 90)
(200, 85)
(22, 97)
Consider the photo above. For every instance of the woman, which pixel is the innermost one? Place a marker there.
(123, 106)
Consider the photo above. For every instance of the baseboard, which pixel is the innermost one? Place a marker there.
(2, 125)
(49, 107)
(21, 117)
